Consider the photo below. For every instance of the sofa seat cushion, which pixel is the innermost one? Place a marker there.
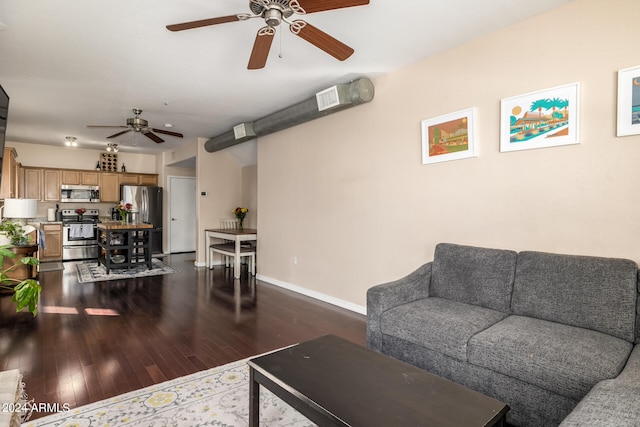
(559, 358)
(439, 324)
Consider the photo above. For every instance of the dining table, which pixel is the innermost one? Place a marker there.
(233, 234)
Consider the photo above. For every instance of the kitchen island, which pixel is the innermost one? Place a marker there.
(124, 245)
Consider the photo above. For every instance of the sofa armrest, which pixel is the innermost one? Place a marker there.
(382, 297)
(613, 402)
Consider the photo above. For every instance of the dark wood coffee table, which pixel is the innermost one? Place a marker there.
(334, 382)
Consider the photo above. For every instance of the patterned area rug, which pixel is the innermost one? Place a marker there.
(92, 272)
(215, 397)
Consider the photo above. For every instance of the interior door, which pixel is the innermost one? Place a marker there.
(182, 214)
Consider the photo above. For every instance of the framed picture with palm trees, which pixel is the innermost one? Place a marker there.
(545, 118)
(629, 101)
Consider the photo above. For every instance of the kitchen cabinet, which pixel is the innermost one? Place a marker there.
(42, 184)
(32, 183)
(9, 187)
(138, 179)
(109, 187)
(51, 185)
(79, 177)
(53, 242)
(147, 179)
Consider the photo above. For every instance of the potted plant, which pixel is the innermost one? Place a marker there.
(15, 233)
(25, 292)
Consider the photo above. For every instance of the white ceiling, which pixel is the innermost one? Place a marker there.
(70, 63)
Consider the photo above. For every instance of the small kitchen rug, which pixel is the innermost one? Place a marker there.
(50, 266)
(92, 272)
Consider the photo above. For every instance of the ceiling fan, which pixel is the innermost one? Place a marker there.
(276, 11)
(138, 124)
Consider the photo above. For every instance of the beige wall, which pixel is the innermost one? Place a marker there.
(345, 202)
(77, 158)
(220, 176)
(250, 195)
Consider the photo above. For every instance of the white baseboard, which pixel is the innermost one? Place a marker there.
(313, 294)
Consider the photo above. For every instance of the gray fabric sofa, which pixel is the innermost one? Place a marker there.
(551, 335)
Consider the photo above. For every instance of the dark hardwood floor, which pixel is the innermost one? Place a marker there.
(92, 341)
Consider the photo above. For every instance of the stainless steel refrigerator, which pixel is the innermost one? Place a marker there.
(147, 201)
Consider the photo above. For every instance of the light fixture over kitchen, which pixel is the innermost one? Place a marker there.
(112, 147)
(71, 141)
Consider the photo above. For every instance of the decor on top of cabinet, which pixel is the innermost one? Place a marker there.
(546, 118)
(109, 162)
(448, 137)
(240, 213)
(629, 101)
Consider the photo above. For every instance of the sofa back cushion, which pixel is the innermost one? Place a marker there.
(473, 275)
(587, 292)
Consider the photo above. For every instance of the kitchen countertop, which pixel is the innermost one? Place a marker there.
(118, 225)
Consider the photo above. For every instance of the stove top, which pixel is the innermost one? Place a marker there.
(69, 216)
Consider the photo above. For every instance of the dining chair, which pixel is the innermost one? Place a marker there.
(227, 248)
(228, 251)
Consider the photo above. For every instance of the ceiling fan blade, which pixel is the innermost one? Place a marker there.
(167, 132)
(261, 47)
(105, 126)
(119, 133)
(202, 23)
(311, 6)
(321, 40)
(152, 136)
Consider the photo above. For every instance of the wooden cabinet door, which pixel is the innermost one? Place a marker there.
(109, 187)
(33, 183)
(53, 242)
(79, 177)
(51, 185)
(90, 178)
(70, 177)
(148, 179)
(129, 178)
(9, 188)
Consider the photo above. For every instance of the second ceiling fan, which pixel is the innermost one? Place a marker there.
(138, 124)
(276, 11)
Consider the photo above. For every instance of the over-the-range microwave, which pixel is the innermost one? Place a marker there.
(80, 193)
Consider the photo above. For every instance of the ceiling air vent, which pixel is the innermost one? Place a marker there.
(328, 98)
(243, 131)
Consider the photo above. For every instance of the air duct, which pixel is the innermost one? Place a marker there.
(328, 101)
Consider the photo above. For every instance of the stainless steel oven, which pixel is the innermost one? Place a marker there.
(79, 236)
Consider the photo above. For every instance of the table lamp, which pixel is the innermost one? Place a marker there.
(20, 209)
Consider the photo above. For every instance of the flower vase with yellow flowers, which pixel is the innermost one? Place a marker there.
(240, 213)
